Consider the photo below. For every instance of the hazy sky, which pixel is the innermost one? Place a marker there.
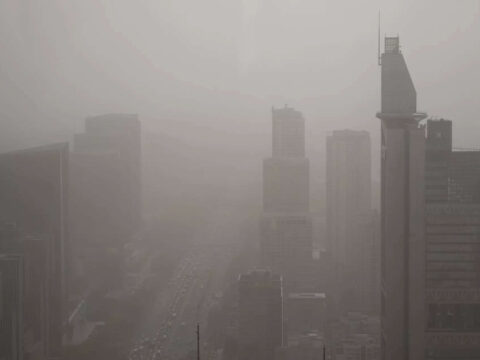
(212, 68)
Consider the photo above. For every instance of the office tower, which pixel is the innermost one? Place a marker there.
(33, 196)
(117, 135)
(11, 307)
(403, 211)
(349, 218)
(453, 249)
(286, 243)
(260, 315)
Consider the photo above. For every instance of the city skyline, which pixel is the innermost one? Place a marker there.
(229, 180)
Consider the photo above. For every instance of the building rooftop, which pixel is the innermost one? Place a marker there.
(286, 113)
(307, 296)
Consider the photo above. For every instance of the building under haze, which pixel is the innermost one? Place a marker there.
(105, 192)
(11, 307)
(351, 232)
(305, 313)
(33, 199)
(453, 248)
(286, 243)
(37, 313)
(403, 211)
(260, 315)
(117, 135)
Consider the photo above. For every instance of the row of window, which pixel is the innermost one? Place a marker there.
(461, 317)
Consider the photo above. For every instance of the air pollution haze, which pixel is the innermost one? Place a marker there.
(173, 157)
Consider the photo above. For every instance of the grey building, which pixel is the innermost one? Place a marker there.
(34, 197)
(403, 211)
(453, 247)
(305, 313)
(117, 135)
(350, 231)
(105, 192)
(286, 226)
(260, 315)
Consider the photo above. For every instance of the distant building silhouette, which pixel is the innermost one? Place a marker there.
(286, 243)
(403, 211)
(351, 224)
(260, 315)
(105, 190)
(118, 134)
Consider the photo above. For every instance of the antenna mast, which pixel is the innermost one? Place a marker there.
(379, 57)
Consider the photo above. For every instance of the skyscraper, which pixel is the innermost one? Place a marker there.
(33, 196)
(286, 242)
(260, 315)
(349, 217)
(403, 211)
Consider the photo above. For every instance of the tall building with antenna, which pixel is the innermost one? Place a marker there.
(403, 211)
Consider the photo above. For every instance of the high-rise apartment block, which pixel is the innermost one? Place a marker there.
(403, 211)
